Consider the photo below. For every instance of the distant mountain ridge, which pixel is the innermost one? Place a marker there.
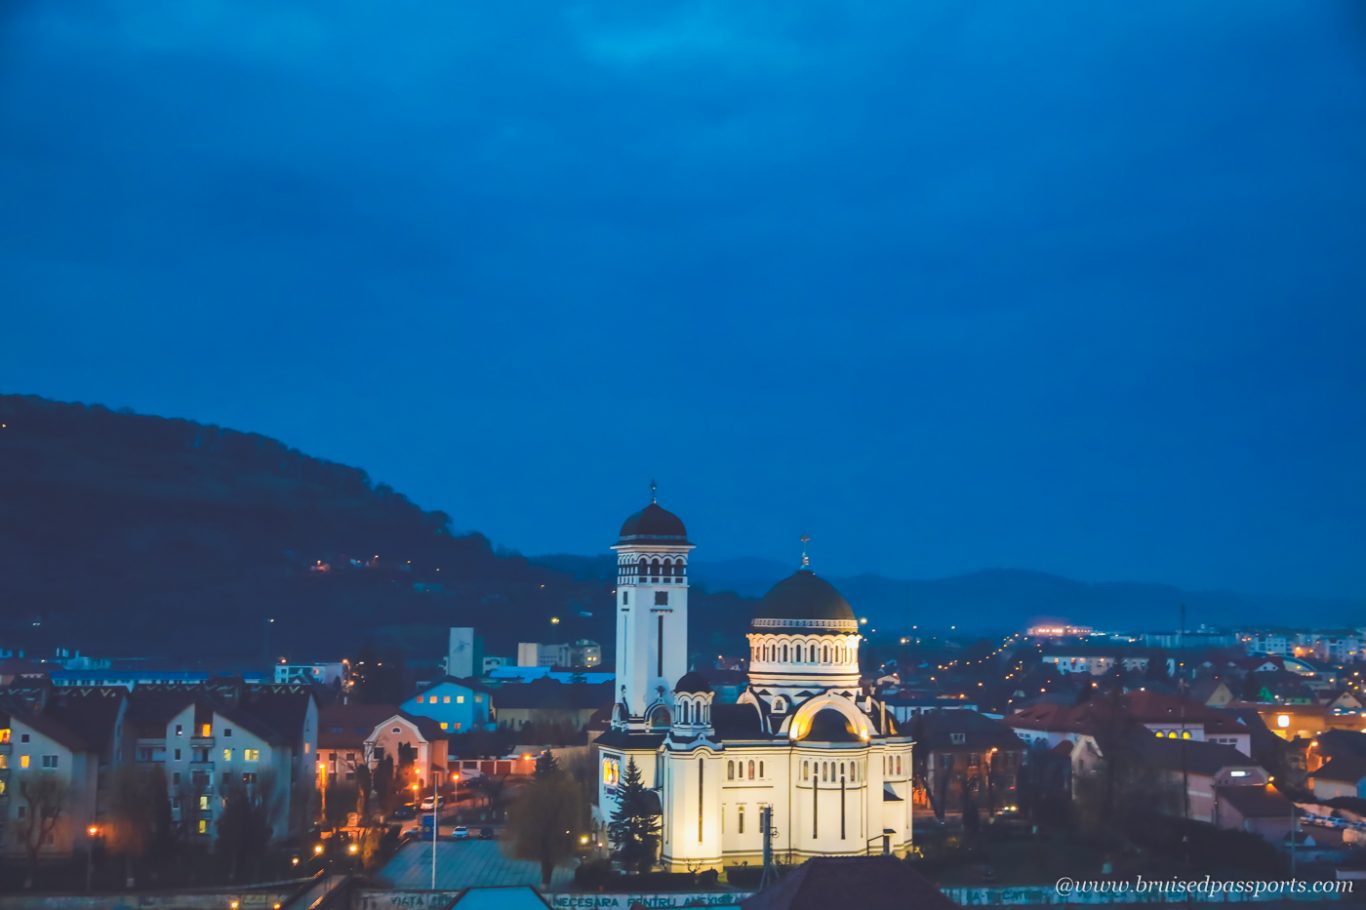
(128, 535)
(1007, 599)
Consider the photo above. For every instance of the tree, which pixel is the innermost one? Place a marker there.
(635, 826)
(45, 796)
(363, 785)
(544, 822)
(139, 814)
(546, 764)
(384, 782)
(244, 824)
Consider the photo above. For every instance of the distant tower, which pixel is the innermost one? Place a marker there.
(652, 616)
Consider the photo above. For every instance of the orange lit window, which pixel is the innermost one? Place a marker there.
(611, 771)
(23, 761)
(206, 730)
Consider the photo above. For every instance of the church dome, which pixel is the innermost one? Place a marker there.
(693, 681)
(803, 596)
(653, 524)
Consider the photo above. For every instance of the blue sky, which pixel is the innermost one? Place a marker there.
(1075, 287)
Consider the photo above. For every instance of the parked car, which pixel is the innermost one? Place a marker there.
(403, 813)
(461, 832)
(486, 834)
(429, 803)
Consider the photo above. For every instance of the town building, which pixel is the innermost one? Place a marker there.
(323, 673)
(964, 758)
(546, 703)
(456, 705)
(804, 741)
(351, 736)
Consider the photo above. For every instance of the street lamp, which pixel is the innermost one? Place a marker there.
(92, 832)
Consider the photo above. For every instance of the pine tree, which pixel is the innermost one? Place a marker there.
(546, 764)
(635, 826)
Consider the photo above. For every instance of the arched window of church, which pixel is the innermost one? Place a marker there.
(798, 655)
(730, 770)
(751, 769)
(804, 770)
(825, 654)
(761, 770)
(784, 658)
(898, 764)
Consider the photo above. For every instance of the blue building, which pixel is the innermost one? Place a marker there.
(457, 705)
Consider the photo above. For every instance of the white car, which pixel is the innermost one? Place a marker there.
(460, 832)
(428, 804)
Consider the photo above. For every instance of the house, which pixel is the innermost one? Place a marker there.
(47, 771)
(406, 739)
(1094, 660)
(963, 755)
(353, 735)
(1202, 767)
(1342, 700)
(1166, 716)
(216, 741)
(323, 673)
(457, 705)
(1211, 692)
(549, 703)
(905, 705)
(1342, 776)
(1263, 811)
(99, 716)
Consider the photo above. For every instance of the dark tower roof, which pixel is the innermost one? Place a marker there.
(802, 595)
(653, 524)
(692, 681)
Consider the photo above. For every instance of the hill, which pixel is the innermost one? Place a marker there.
(133, 535)
(123, 534)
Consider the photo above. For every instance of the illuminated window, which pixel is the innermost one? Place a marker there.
(23, 761)
(478, 699)
(227, 755)
(203, 804)
(443, 725)
(203, 826)
(1283, 721)
(206, 729)
(4, 735)
(611, 771)
(446, 699)
(251, 754)
(460, 699)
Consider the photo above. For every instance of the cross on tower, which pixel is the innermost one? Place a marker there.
(654, 490)
(806, 560)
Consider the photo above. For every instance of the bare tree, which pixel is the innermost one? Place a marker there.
(45, 796)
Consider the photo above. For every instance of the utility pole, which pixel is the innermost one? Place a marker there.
(436, 822)
(770, 874)
(1181, 695)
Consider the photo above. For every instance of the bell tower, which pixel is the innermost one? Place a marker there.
(652, 616)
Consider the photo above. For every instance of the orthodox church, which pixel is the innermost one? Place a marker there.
(803, 739)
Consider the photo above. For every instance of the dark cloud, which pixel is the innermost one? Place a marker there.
(1072, 286)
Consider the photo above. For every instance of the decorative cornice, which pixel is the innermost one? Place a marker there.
(835, 625)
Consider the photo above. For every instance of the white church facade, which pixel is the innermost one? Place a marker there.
(804, 739)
